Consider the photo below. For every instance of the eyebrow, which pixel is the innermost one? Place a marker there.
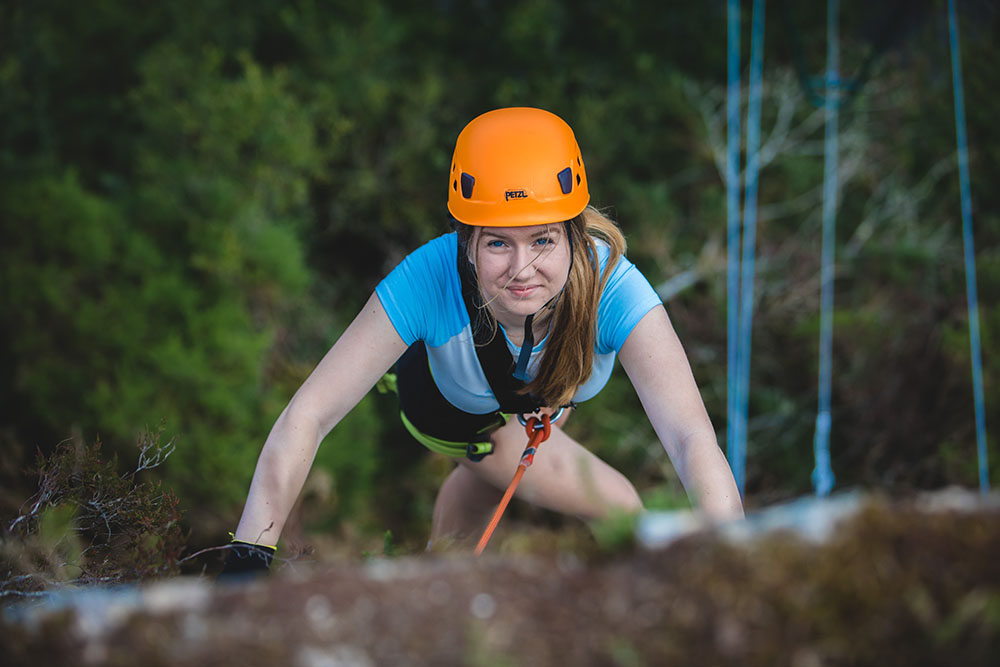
(501, 235)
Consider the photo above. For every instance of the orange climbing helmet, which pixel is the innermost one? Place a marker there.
(517, 167)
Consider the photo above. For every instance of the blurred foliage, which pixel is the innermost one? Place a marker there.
(196, 197)
(90, 523)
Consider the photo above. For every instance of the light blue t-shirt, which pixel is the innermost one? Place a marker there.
(423, 299)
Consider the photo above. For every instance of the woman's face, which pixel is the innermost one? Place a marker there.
(521, 268)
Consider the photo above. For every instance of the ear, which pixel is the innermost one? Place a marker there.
(472, 249)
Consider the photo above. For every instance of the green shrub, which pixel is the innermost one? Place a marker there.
(89, 523)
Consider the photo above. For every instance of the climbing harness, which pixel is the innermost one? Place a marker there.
(538, 432)
(432, 420)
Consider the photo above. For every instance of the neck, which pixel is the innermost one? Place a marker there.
(514, 327)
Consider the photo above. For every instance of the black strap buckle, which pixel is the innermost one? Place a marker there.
(474, 453)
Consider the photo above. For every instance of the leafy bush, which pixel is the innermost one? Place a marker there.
(88, 523)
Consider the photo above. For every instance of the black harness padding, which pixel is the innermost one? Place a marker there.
(491, 347)
(428, 410)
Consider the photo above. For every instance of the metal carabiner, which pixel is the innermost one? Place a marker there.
(538, 423)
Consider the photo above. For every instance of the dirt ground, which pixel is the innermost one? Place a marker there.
(896, 583)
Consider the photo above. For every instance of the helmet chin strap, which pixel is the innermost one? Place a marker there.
(528, 343)
(521, 369)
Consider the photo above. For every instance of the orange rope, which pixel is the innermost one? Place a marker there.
(536, 436)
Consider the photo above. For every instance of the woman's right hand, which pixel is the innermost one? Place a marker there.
(246, 561)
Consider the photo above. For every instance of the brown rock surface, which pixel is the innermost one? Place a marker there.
(894, 583)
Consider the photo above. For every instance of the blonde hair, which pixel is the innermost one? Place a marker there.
(568, 359)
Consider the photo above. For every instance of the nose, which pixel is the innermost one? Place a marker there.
(522, 265)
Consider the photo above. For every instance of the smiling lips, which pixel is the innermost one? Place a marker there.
(525, 290)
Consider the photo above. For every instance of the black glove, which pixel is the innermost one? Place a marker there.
(246, 561)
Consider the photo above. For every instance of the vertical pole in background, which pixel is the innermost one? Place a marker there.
(822, 476)
(968, 246)
(749, 241)
(733, 229)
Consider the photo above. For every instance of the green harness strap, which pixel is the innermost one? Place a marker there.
(447, 447)
(454, 449)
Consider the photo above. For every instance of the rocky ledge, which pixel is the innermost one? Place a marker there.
(855, 580)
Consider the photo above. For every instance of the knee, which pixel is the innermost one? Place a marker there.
(621, 496)
(469, 485)
(613, 495)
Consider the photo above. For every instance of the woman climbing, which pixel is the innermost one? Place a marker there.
(523, 308)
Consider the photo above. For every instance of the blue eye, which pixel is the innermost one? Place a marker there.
(494, 244)
(544, 241)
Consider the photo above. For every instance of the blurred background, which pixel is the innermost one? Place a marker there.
(197, 197)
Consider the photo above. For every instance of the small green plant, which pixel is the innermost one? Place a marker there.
(615, 533)
(89, 523)
(389, 548)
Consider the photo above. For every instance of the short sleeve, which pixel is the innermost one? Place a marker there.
(626, 299)
(420, 294)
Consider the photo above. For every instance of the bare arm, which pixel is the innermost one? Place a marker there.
(365, 351)
(659, 370)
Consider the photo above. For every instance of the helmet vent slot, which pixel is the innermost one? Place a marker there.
(566, 180)
(468, 181)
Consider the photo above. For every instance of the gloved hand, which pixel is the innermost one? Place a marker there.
(246, 561)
